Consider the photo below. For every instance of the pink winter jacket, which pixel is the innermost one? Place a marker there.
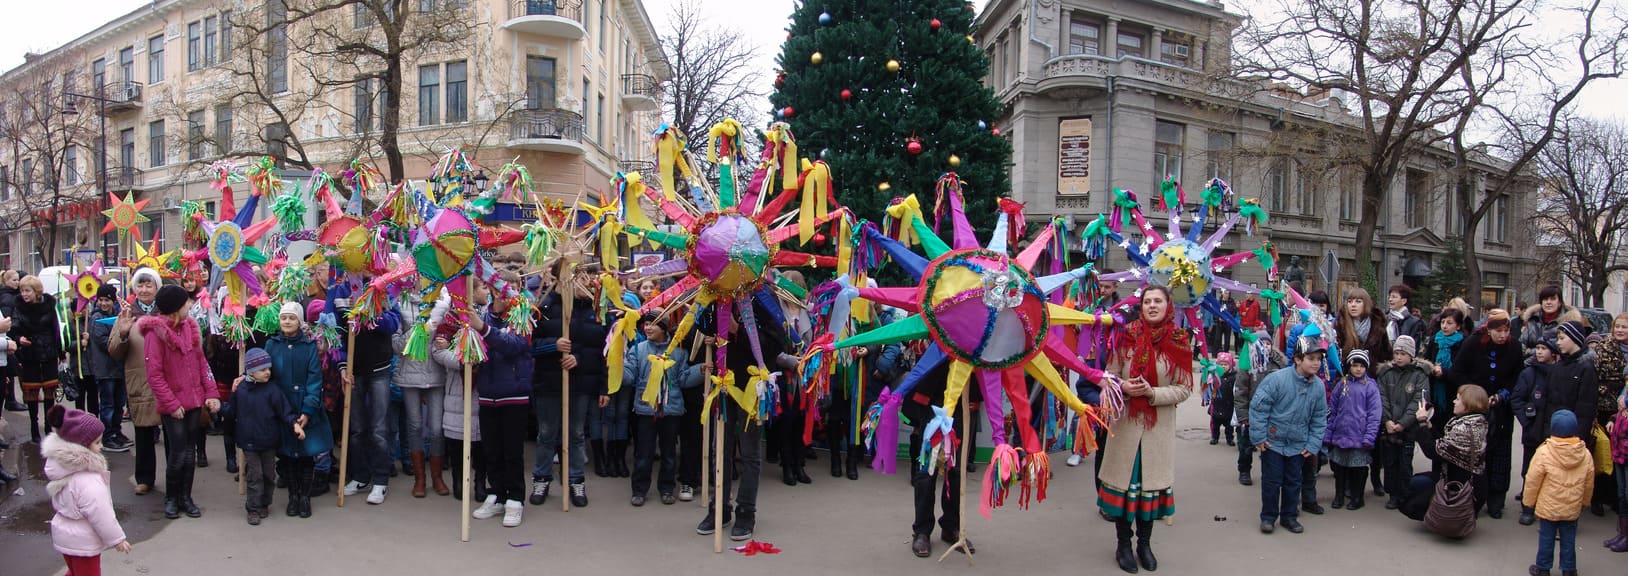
(176, 369)
(78, 483)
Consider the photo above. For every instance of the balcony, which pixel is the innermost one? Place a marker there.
(546, 130)
(123, 178)
(1090, 71)
(553, 18)
(641, 92)
(122, 96)
(644, 168)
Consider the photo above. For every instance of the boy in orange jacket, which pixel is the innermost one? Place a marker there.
(1558, 485)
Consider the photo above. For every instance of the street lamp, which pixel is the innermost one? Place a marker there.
(69, 109)
(481, 180)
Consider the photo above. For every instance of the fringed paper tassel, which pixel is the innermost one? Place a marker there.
(1120, 212)
(521, 307)
(1095, 238)
(294, 281)
(1000, 475)
(939, 443)
(1036, 477)
(326, 335)
(1085, 437)
(867, 427)
(369, 305)
(289, 210)
(1253, 215)
(469, 346)
(237, 327)
(266, 318)
(1017, 226)
(1171, 196)
(417, 346)
(885, 433)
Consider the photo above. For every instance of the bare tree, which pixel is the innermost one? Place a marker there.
(49, 150)
(713, 73)
(1521, 87)
(1401, 60)
(1584, 203)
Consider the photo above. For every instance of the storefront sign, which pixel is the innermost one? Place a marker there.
(1074, 156)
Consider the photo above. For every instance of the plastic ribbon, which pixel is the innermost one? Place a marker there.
(659, 365)
(1124, 206)
(1001, 474)
(1253, 215)
(630, 187)
(949, 194)
(670, 145)
(939, 442)
(1171, 196)
(902, 211)
(816, 179)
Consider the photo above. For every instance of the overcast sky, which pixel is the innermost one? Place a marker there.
(40, 26)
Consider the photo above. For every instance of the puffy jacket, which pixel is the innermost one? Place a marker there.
(1572, 386)
(1290, 411)
(1560, 480)
(1534, 329)
(176, 368)
(1354, 413)
(81, 494)
(1609, 365)
(1400, 390)
(412, 373)
(102, 364)
(505, 377)
(296, 367)
(1267, 359)
(452, 408)
(37, 321)
(587, 344)
(260, 412)
(1523, 399)
(681, 376)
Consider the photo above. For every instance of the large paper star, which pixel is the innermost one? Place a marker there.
(124, 214)
(151, 258)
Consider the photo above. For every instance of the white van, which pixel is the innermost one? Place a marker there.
(54, 279)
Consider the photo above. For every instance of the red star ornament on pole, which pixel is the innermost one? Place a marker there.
(124, 214)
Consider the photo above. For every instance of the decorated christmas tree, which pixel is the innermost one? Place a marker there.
(890, 94)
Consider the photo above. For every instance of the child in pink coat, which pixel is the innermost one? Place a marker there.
(84, 524)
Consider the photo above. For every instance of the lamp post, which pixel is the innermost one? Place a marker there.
(69, 109)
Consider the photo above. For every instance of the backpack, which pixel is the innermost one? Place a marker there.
(1452, 510)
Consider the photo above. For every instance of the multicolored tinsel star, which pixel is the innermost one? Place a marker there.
(124, 214)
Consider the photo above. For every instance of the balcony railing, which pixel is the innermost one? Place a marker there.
(122, 96)
(563, 8)
(545, 124)
(644, 168)
(122, 178)
(640, 85)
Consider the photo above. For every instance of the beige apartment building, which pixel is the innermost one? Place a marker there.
(1102, 94)
(570, 88)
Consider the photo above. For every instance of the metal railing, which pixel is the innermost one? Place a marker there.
(571, 9)
(121, 95)
(122, 178)
(545, 124)
(641, 85)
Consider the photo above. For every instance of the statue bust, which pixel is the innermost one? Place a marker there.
(1294, 274)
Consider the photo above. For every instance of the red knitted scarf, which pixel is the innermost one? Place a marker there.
(1149, 344)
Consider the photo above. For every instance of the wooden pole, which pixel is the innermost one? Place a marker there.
(706, 433)
(242, 488)
(717, 487)
(568, 295)
(467, 479)
(966, 443)
(344, 434)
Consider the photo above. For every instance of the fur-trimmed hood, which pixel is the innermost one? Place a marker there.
(177, 336)
(1567, 313)
(63, 459)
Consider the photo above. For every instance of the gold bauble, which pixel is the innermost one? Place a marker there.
(892, 65)
(955, 161)
(884, 186)
(816, 58)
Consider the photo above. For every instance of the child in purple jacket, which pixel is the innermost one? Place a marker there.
(1354, 414)
(84, 524)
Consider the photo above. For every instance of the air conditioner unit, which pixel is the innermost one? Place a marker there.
(1182, 50)
(170, 202)
(130, 93)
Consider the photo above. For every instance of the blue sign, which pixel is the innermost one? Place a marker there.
(511, 212)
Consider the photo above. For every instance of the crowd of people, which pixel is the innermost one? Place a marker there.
(1453, 385)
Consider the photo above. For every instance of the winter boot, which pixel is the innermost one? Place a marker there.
(1124, 554)
(296, 488)
(597, 449)
(439, 485)
(856, 453)
(1621, 543)
(1359, 478)
(1341, 478)
(618, 458)
(418, 473)
(1144, 545)
(836, 462)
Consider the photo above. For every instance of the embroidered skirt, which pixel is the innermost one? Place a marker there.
(1133, 503)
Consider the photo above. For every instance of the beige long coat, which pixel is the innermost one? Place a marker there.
(1127, 434)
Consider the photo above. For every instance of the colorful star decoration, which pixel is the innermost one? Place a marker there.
(151, 258)
(85, 284)
(124, 214)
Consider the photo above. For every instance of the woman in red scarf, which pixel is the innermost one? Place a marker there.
(1155, 364)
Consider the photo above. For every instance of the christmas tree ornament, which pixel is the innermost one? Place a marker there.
(955, 161)
(971, 41)
(996, 131)
(936, 24)
(780, 80)
(913, 147)
(892, 65)
(825, 19)
(884, 186)
(982, 126)
(787, 111)
(847, 94)
(816, 58)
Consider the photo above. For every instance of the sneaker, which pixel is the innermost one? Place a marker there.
(487, 509)
(377, 495)
(254, 518)
(668, 499)
(1074, 460)
(686, 492)
(742, 530)
(539, 492)
(354, 486)
(637, 500)
(579, 495)
(115, 445)
(706, 528)
(511, 513)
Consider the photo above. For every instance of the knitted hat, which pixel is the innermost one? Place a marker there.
(1497, 318)
(107, 292)
(1563, 424)
(1405, 345)
(313, 310)
(255, 360)
(1550, 344)
(292, 309)
(1357, 355)
(170, 299)
(77, 426)
(1576, 331)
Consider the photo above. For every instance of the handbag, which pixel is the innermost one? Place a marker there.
(1602, 451)
(1452, 510)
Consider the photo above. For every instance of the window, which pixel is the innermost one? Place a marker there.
(361, 16)
(1276, 192)
(195, 135)
(127, 149)
(1130, 44)
(70, 165)
(1084, 38)
(70, 80)
(155, 144)
(1219, 155)
(1497, 229)
(127, 64)
(540, 88)
(194, 46)
(1348, 200)
(5, 185)
(1305, 189)
(28, 177)
(1178, 52)
(211, 31)
(429, 88)
(98, 75)
(225, 35)
(223, 128)
(155, 59)
(1168, 138)
(457, 91)
(585, 93)
(599, 120)
(604, 25)
(363, 104)
(277, 47)
(276, 136)
(1417, 212)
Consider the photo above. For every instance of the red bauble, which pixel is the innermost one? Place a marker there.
(780, 81)
(995, 131)
(787, 112)
(819, 239)
(935, 24)
(847, 95)
(914, 147)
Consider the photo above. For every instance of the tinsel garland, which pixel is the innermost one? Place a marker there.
(521, 307)
(289, 210)
(469, 346)
(236, 327)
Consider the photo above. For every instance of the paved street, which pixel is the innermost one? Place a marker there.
(832, 526)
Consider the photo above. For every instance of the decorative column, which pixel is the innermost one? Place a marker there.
(1110, 39)
(1067, 36)
(1199, 53)
(1155, 45)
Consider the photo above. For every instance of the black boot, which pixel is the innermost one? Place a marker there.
(836, 463)
(598, 456)
(308, 477)
(1144, 545)
(319, 483)
(856, 453)
(1123, 553)
(1359, 479)
(296, 487)
(1341, 479)
(172, 509)
(786, 473)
